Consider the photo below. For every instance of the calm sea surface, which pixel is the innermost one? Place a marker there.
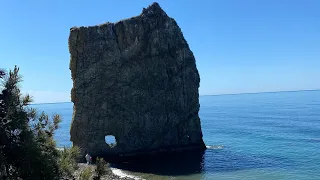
(250, 136)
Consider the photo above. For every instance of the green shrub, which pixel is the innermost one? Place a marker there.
(101, 168)
(68, 160)
(86, 174)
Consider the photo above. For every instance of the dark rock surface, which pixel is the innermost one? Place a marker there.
(136, 80)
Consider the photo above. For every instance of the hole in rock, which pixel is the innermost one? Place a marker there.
(110, 140)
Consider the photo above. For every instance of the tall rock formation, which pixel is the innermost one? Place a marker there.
(136, 80)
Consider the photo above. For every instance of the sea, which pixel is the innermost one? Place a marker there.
(261, 136)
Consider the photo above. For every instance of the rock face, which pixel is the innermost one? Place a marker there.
(136, 80)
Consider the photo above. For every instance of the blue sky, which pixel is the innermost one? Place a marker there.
(241, 46)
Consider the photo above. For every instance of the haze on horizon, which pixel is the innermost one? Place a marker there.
(240, 46)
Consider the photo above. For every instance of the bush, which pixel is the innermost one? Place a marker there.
(86, 174)
(68, 161)
(101, 167)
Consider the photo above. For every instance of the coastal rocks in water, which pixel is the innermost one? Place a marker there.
(135, 80)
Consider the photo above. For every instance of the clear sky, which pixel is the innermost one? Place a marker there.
(240, 46)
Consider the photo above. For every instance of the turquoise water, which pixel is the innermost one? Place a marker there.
(252, 136)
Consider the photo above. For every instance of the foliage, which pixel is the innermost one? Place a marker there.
(68, 160)
(27, 148)
(86, 174)
(101, 167)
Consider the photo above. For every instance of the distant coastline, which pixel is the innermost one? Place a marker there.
(210, 95)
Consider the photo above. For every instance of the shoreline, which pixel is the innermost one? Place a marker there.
(111, 173)
(121, 174)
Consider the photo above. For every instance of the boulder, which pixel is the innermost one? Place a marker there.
(135, 80)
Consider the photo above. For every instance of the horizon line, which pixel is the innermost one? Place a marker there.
(262, 92)
(210, 95)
